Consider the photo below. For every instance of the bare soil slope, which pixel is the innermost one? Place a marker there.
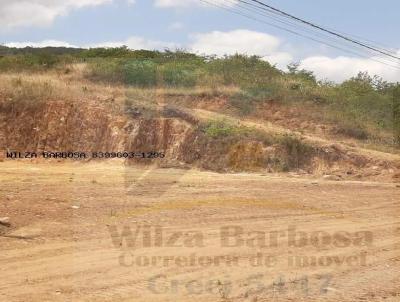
(178, 133)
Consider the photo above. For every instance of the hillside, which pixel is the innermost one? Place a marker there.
(165, 176)
(227, 115)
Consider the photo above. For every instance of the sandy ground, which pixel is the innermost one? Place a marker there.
(106, 232)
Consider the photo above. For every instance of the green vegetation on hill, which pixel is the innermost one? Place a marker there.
(363, 107)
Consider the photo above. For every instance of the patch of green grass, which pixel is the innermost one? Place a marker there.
(219, 129)
(292, 152)
(246, 100)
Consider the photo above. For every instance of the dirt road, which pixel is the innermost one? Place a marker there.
(106, 232)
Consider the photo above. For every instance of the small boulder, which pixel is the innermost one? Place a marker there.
(5, 221)
(332, 177)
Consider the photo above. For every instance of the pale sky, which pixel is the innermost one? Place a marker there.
(159, 24)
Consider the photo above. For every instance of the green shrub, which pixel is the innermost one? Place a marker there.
(142, 73)
(301, 75)
(119, 52)
(177, 74)
(30, 62)
(242, 70)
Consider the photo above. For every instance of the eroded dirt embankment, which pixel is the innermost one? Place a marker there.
(93, 126)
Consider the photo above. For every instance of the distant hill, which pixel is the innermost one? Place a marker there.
(4, 50)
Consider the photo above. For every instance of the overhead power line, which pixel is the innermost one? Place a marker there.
(282, 18)
(325, 29)
(253, 8)
(231, 9)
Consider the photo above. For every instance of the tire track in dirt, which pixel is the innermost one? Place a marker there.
(83, 265)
